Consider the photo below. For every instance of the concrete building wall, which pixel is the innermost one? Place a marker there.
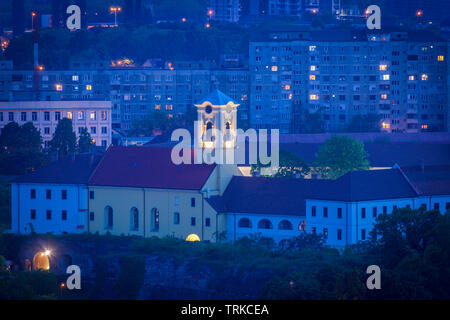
(24, 222)
(235, 232)
(168, 202)
(93, 115)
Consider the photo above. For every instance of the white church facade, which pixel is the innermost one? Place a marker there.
(139, 191)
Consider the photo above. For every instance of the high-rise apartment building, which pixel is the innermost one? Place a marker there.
(134, 92)
(399, 76)
(224, 10)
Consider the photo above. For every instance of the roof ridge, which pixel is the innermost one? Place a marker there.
(99, 163)
(415, 189)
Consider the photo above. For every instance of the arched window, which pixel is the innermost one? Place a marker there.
(108, 217)
(244, 223)
(209, 135)
(265, 224)
(41, 261)
(154, 222)
(285, 225)
(302, 226)
(176, 218)
(134, 219)
(192, 237)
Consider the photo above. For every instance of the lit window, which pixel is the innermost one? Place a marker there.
(412, 78)
(313, 97)
(157, 107)
(274, 68)
(312, 48)
(88, 87)
(93, 115)
(312, 77)
(59, 87)
(383, 67)
(386, 125)
(386, 77)
(192, 237)
(80, 115)
(440, 58)
(313, 68)
(424, 77)
(287, 87)
(169, 107)
(424, 126)
(384, 96)
(69, 114)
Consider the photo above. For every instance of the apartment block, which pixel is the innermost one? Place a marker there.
(400, 76)
(224, 10)
(134, 92)
(93, 115)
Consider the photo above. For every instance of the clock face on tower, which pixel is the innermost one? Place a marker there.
(208, 109)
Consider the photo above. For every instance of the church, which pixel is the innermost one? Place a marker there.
(140, 191)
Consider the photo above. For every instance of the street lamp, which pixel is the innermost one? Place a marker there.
(210, 13)
(33, 15)
(115, 10)
(419, 13)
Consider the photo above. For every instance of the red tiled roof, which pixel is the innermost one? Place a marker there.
(148, 168)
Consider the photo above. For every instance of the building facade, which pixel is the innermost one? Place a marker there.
(141, 191)
(53, 198)
(224, 10)
(45, 115)
(399, 76)
(134, 92)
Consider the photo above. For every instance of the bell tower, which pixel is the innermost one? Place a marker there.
(216, 136)
(217, 114)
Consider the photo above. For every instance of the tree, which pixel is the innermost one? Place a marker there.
(85, 142)
(143, 127)
(10, 139)
(307, 122)
(30, 137)
(64, 139)
(20, 148)
(290, 165)
(339, 155)
(364, 123)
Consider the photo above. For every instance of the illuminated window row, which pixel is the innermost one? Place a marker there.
(59, 87)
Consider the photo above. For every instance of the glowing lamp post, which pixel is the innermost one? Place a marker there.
(419, 13)
(33, 16)
(115, 10)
